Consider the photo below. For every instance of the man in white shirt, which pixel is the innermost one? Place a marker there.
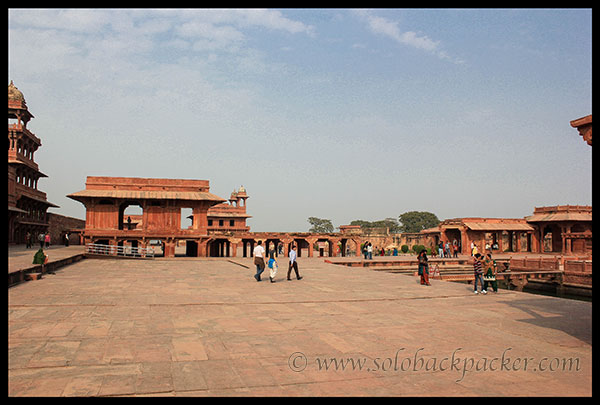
(293, 264)
(259, 260)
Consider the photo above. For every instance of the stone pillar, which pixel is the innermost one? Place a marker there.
(169, 248)
(311, 242)
(202, 248)
(465, 242)
(234, 246)
(286, 243)
(534, 242)
(567, 241)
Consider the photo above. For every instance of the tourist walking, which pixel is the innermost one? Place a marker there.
(273, 265)
(448, 249)
(41, 239)
(423, 267)
(259, 260)
(478, 272)
(441, 249)
(370, 251)
(47, 240)
(489, 276)
(293, 264)
(28, 240)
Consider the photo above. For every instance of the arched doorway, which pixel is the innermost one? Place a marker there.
(130, 215)
(552, 239)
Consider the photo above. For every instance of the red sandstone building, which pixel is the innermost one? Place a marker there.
(162, 201)
(563, 229)
(584, 126)
(26, 204)
(218, 226)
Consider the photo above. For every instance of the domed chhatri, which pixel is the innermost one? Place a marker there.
(14, 93)
(242, 192)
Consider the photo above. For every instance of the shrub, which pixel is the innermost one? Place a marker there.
(418, 248)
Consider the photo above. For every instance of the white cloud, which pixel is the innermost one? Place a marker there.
(423, 42)
(202, 29)
(390, 29)
(273, 19)
(78, 20)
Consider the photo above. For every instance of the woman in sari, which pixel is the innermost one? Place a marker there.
(489, 273)
(423, 267)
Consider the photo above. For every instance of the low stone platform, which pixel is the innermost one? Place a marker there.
(205, 327)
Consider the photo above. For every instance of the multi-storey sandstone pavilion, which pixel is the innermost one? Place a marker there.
(26, 204)
(162, 201)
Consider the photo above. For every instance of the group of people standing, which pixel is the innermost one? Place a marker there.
(43, 239)
(259, 261)
(367, 250)
(445, 250)
(484, 267)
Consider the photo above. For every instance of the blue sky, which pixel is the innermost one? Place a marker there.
(341, 114)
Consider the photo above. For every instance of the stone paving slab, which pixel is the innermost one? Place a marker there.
(205, 327)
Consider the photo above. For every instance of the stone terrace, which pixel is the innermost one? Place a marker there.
(205, 327)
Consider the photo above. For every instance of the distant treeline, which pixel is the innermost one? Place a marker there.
(412, 221)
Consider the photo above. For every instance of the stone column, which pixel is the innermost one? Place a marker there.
(169, 248)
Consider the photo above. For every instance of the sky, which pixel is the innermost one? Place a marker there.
(340, 114)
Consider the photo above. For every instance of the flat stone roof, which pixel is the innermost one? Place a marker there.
(204, 327)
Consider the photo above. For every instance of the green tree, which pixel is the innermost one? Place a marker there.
(361, 223)
(416, 221)
(320, 225)
(390, 223)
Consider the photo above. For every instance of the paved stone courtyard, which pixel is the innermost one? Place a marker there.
(205, 327)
